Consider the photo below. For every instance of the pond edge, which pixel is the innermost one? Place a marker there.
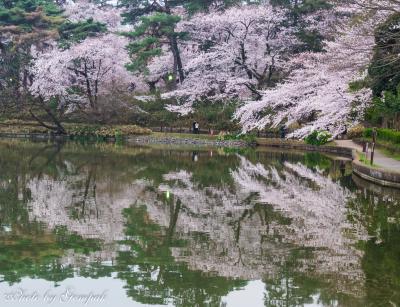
(378, 175)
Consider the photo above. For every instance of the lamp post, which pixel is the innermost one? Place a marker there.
(374, 135)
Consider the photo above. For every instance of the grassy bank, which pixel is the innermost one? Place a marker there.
(389, 149)
(185, 136)
(73, 130)
(387, 141)
(362, 157)
(267, 142)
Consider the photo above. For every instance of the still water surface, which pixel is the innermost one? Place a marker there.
(102, 224)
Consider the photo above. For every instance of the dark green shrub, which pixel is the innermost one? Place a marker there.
(383, 71)
(248, 138)
(387, 135)
(318, 138)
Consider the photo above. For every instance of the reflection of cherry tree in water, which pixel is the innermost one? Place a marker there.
(27, 248)
(14, 177)
(265, 214)
(233, 216)
(61, 183)
(379, 213)
(50, 155)
(83, 200)
(290, 285)
(277, 223)
(152, 274)
(81, 208)
(14, 197)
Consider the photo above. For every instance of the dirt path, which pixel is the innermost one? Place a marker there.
(379, 159)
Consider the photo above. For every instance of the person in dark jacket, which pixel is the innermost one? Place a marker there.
(196, 128)
(282, 131)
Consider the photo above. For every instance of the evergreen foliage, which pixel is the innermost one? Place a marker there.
(311, 40)
(151, 30)
(384, 70)
(74, 32)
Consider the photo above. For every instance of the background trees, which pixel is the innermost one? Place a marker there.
(23, 24)
(62, 60)
(284, 62)
(382, 77)
(300, 15)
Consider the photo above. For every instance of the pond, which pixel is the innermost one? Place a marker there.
(98, 224)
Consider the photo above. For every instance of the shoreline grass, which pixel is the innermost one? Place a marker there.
(184, 135)
(388, 149)
(363, 159)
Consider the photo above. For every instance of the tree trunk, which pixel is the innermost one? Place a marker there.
(296, 13)
(257, 94)
(58, 128)
(178, 67)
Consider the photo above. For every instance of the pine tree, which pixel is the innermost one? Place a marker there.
(23, 23)
(298, 10)
(156, 29)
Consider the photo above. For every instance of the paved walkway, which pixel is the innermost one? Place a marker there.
(379, 158)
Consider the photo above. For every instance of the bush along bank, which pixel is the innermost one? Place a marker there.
(318, 138)
(120, 133)
(105, 132)
(388, 141)
(387, 135)
(250, 139)
(73, 131)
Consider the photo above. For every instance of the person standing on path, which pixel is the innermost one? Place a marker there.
(196, 129)
(282, 132)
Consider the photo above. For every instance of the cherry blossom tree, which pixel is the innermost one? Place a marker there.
(74, 78)
(234, 53)
(316, 95)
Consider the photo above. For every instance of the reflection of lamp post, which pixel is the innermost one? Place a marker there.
(167, 194)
